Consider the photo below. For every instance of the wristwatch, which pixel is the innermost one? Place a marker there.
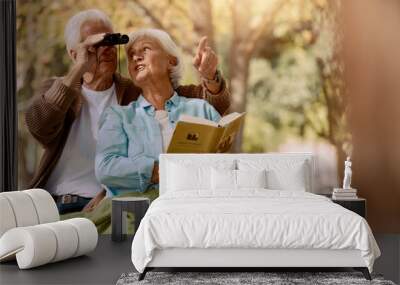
(215, 80)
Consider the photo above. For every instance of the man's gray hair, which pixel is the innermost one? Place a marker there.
(167, 44)
(72, 32)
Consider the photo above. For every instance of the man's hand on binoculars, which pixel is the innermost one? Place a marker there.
(86, 52)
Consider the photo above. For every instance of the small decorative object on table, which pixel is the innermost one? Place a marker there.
(136, 205)
(347, 196)
(345, 193)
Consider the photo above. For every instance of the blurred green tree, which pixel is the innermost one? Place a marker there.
(278, 57)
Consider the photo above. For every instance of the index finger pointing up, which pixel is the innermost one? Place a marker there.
(202, 45)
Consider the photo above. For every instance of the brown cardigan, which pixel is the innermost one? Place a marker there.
(53, 110)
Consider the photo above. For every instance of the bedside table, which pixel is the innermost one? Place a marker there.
(358, 205)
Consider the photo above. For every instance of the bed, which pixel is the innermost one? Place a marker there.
(245, 211)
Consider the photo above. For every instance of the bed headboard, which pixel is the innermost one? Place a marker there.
(271, 158)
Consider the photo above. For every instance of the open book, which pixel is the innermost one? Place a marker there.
(198, 135)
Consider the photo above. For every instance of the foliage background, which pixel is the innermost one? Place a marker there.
(279, 57)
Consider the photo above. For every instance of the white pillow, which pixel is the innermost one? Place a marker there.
(231, 180)
(291, 179)
(223, 179)
(251, 178)
(185, 175)
(282, 174)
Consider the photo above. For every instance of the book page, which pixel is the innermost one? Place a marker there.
(196, 120)
(228, 136)
(229, 118)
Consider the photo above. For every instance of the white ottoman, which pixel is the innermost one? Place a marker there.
(31, 230)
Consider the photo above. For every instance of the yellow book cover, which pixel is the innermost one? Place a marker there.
(198, 135)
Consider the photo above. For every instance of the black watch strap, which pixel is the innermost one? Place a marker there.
(215, 80)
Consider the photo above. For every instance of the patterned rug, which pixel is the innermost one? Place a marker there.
(243, 278)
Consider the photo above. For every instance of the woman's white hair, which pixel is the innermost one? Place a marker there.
(167, 44)
(72, 32)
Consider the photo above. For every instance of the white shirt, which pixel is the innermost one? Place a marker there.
(74, 172)
(166, 130)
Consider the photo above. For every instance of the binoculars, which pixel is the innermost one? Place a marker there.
(113, 39)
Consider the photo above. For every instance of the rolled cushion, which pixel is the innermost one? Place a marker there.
(87, 235)
(26, 208)
(40, 244)
(7, 218)
(46, 208)
(33, 246)
(66, 238)
(23, 208)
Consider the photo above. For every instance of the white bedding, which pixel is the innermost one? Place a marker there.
(253, 218)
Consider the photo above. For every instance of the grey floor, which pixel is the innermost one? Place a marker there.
(103, 266)
(110, 260)
(389, 262)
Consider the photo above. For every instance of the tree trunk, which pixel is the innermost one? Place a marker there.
(245, 41)
(239, 60)
(201, 15)
(239, 68)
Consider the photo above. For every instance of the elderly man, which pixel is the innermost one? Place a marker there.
(64, 116)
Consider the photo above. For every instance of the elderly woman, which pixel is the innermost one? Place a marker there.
(131, 137)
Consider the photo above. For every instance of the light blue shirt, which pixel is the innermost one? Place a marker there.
(130, 140)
